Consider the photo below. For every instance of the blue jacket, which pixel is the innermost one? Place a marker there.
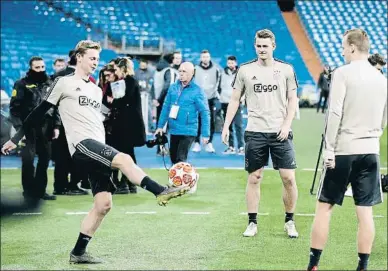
(191, 101)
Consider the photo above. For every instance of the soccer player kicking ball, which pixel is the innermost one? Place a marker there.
(269, 86)
(79, 102)
(356, 118)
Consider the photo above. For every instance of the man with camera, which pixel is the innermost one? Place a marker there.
(184, 101)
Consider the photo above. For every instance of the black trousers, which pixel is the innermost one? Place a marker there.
(179, 147)
(212, 108)
(124, 148)
(64, 165)
(323, 95)
(35, 182)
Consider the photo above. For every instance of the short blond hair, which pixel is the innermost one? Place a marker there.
(84, 45)
(265, 34)
(359, 38)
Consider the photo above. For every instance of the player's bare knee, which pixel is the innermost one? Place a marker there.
(255, 177)
(103, 207)
(121, 160)
(288, 178)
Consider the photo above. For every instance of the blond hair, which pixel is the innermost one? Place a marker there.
(265, 34)
(359, 38)
(126, 65)
(84, 45)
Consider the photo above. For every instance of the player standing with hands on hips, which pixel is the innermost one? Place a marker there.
(269, 86)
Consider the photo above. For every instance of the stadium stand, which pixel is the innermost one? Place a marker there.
(42, 32)
(326, 21)
(217, 26)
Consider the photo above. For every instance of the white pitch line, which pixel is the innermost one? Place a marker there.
(244, 213)
(378, 216)
(310, 169)
(195, 213)
(233, 168)
(26, 213)
(145, 213)
(305, 214)
(77, 213)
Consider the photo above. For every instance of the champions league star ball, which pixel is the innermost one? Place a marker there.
(183, 173)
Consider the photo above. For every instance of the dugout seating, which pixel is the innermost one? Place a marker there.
(326, 21)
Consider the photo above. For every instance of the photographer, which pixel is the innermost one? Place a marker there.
(324, 86)
(126, 119)
(184, 101)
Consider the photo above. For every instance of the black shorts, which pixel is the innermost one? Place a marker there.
(95, 159)
(258, 146)
(361, 171)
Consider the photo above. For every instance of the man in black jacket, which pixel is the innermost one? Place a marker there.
(324, 86)
(61, 154)
(28, 93)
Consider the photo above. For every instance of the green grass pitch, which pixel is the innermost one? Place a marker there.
(170, 239)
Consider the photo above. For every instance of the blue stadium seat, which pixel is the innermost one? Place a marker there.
(223, 27)
(326, 22)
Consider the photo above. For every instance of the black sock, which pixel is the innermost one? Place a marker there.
(289, 216)
(362, 261)
(80, 246)
(252, 218)
(315, 254)
(151, 186)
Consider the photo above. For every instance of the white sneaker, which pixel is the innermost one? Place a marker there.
(241, 151)
(349, 192)
(229, 150)
(196, 147)
(209, 148)
(251, 230)
(290, 228)
(194, 188)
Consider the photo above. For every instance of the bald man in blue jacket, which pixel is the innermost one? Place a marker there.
(184, 101)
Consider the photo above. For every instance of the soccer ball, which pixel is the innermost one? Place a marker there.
(183, 173)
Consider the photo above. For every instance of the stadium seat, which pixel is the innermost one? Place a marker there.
(224, 28)
(341, 16)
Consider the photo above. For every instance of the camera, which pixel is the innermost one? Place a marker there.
(159, 140)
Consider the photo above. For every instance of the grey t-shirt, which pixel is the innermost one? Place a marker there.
(79, 103)
(265, 89)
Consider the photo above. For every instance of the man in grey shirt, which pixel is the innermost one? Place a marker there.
(356, 118)
(207, 77)
(269, 86)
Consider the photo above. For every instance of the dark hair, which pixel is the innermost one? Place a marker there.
(232, 58)
(377, 59)
(144, 61)
(58, 60)
(205, 52)
(72, 58)
(110, 68)
(34, 58)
